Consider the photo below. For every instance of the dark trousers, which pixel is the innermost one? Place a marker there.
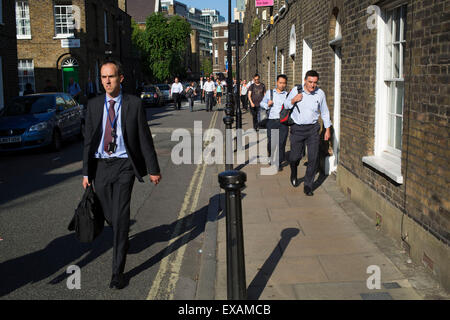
(191, 103)
(202, 98)
(283, 132)
(177, 100)
(244, 101)
(308, 135)
(113, 184)
(255, 112)
(209, 101)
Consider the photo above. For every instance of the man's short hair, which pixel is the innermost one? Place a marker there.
(256, 75)
(114, 62)
(311, 73)
(282, 76)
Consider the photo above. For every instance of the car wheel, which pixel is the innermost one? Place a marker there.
(56, 141)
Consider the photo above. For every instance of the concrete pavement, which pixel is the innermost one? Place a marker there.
(320, 247)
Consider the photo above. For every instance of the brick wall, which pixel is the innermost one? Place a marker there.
(424, 194)
(47, 53)
(8, 51)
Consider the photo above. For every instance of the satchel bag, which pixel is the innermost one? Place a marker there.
(88, 221)
(264, 114)
(286, 114)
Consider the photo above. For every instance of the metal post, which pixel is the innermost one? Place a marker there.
(238, 98)
(233, 182)
(228, 120)
(229, 58)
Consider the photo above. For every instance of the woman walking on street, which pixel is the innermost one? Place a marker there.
(190, 95)
(219, 92)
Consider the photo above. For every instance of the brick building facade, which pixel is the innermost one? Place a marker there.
(49, 47)
(384, 67)
(8, 53)
(220, 48)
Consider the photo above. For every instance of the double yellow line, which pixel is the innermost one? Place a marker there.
(171, 263)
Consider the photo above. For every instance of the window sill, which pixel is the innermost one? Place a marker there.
(23, 37)
(390, 168)
(64, 36)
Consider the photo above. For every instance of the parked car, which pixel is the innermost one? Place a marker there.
(44, 119)
(165, 90)
(151, 96)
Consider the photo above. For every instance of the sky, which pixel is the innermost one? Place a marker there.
(221, 5)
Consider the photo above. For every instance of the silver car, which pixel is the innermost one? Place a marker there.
(165, 90)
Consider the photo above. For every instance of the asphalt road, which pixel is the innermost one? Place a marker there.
(39, 191)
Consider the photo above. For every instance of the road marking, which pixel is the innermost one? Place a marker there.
(173, 268)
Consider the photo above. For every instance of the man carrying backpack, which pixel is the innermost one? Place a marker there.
(309, 105)
(273, 101)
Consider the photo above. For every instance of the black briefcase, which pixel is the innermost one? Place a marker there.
(88, 220)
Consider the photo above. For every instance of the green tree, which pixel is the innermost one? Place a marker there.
(256, 28)
(206, 67)
(163, 45)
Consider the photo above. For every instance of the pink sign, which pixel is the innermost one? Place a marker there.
(264, 3)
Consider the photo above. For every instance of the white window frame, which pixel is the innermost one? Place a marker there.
(24, 15)
(29, 77)
(386, 159)
(307, 57)
(225, 46)
(69, 23)
(2, 98)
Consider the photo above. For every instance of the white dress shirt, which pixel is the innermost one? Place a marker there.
(177, 87)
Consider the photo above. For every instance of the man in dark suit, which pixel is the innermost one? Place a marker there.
(118, 147)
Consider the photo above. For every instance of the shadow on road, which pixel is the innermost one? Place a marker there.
(64, 251)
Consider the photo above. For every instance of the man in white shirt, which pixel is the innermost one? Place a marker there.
(176, 90)
(309, 105)
(273, 103)
(209, 90)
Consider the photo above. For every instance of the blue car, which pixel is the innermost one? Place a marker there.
(38, 120)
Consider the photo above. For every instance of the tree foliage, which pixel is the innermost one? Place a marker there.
(256, 27)
(206, 66)
(163, 45)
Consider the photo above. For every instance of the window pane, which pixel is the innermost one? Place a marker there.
(391, 131)
(392, 99)
(396, 60)
(400, 97)
(398, 132)
(397, 16)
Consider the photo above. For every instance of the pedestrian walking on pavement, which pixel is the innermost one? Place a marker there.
(273, 101)
(255, 95)
(176, 90)
(305, 130)
(244, 98)
(219, 90)
(202, 96)
(190, 95)
(118, 147)
(209, 91)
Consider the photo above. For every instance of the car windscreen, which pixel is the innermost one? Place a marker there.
(29, 105)
(149, 89)
(164, 87)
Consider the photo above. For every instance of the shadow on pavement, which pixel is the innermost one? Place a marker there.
(259, 282)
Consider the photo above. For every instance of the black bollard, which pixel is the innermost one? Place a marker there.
(228, 120)
(233, 182)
